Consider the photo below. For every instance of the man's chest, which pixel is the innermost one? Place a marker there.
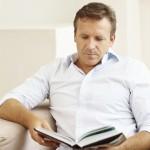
(96, 90)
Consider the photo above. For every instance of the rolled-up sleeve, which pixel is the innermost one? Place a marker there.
(140, 98)
(34, 90)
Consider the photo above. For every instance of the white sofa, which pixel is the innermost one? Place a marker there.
(15, 137)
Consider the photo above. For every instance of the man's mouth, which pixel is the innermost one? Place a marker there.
(91, 54)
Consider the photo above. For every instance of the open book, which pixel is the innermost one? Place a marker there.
(104, 136)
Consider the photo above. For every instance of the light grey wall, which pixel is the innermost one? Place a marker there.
(145, 30)
(27, 13)
(22, 52)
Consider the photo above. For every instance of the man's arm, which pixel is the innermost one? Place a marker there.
(13, 110)
(140, 141)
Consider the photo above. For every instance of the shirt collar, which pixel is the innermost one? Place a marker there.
(110, 55)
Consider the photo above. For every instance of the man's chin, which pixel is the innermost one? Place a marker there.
(93, 62)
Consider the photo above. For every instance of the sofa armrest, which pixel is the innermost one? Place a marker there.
(11, 135)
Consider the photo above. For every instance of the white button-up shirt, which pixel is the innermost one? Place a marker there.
(115, 92)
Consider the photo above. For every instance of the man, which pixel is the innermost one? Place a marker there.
(90, 89)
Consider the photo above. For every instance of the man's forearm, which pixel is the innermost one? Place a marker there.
(13, 110)
(140, 141)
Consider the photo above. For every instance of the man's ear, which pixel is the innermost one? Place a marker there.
(75, 37)
(112, 39)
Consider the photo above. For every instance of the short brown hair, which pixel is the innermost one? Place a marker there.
(96, 11)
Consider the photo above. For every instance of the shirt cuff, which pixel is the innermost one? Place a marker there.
(18, 98)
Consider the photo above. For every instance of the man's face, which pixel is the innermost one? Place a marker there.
(93, 39)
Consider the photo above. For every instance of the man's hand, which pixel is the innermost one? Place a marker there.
(38, 138)
(110, 148)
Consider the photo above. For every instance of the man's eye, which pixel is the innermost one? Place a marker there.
(99, 39)
(84, 37)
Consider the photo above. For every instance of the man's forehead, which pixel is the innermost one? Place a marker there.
(86, 25)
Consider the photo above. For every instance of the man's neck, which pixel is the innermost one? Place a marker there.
(84, 68)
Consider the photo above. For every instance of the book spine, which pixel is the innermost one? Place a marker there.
(77, 148)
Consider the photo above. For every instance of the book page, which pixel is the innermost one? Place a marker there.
(96, 131)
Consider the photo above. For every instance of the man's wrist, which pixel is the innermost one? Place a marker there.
(119, 147)
(31, 120)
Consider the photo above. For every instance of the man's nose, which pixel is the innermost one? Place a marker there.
(91, 44)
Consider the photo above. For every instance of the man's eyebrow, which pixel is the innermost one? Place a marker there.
(99, 36)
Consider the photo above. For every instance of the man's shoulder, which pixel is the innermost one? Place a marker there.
(57, 63)
(134, 66)
(130, 61)
(126, 60)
